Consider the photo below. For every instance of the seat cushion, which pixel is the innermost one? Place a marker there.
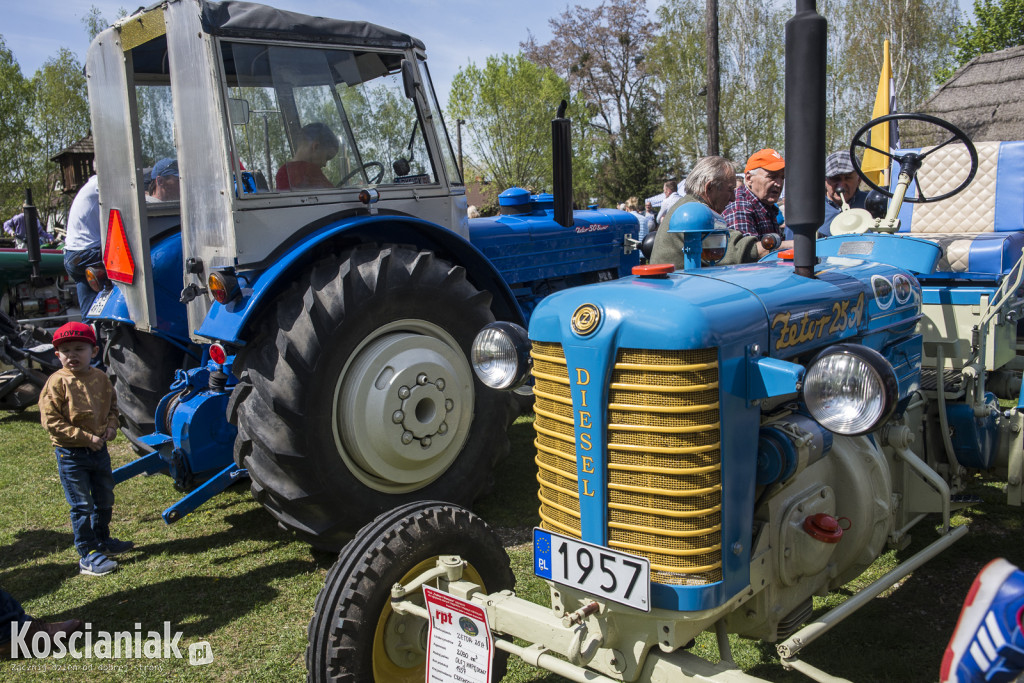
(989, 253)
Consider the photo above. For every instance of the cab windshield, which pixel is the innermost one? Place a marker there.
(314, 119)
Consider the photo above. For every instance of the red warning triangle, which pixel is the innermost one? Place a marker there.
(117, 255)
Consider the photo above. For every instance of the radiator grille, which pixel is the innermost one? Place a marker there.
(664, 463)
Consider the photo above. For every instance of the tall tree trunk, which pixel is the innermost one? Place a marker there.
(711, 39)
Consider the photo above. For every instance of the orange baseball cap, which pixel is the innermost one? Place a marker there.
(768, 159)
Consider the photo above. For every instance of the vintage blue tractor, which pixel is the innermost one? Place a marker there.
(297, 293)
(717, 446)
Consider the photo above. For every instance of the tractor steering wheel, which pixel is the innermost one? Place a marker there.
(368, 164)
(910, 162)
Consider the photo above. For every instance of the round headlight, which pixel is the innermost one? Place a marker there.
(501, 355)
(850, 389)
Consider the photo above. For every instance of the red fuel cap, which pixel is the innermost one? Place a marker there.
(654, 270)
(824, 528)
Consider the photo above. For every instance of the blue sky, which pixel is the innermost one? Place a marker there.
(454, 31)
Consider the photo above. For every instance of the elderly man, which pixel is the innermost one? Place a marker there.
(841, 183)
(753, 210)
(711, 182)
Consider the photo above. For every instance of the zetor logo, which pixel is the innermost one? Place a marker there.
(105, 645)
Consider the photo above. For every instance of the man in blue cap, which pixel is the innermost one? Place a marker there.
(164, 186)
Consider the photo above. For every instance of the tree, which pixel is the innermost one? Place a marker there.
(60, 116)
(602, 54)
(18, 145)
(751, 37)
(633, 167)
(998, 24)
(508, 105)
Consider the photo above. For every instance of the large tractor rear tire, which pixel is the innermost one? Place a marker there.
(141, 367)
(357, 395)
(355, 635)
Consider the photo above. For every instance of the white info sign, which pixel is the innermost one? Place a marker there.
(459, 647)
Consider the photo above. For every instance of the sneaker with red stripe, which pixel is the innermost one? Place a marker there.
(987, 644)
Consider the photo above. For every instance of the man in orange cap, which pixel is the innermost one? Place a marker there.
(754, 209)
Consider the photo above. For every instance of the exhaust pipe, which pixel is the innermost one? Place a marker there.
(805, 131)
(32, 234)
(561, 156)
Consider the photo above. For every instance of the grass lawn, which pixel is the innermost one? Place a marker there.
(228, 575)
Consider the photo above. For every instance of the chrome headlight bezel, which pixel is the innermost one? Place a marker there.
(500, 355)
(868, 389)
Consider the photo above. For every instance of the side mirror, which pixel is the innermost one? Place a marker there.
(408, 78)
(238, 111)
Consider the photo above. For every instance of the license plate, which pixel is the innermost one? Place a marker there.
(99, 302)
(607, 574)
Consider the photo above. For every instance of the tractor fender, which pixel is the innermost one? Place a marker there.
(228, 322)
(171, 317)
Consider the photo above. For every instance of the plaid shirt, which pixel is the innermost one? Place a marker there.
(747, 214)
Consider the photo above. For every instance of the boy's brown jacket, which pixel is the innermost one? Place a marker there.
(73, 406)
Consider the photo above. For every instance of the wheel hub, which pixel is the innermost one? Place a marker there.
(405, 408)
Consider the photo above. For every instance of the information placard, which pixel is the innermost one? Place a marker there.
(459, 645)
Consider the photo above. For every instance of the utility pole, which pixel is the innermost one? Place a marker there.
(458, 134)
(713, 88)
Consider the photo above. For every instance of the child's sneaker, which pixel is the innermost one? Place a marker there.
(987, 644)
(96, 564)
(113, 546)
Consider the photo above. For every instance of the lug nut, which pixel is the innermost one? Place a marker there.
(439, 384)
(397, 417)
(403, 393)
(407, 438)
(421, 378)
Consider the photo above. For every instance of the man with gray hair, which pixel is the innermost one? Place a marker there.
(711, 182)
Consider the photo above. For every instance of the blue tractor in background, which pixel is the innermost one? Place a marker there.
(295, 316)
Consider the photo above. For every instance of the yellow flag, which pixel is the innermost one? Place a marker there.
(875, 165)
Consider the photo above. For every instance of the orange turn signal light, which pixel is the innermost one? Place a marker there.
(223, 287)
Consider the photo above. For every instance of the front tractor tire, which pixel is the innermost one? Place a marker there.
(355, 636)
(357, 394)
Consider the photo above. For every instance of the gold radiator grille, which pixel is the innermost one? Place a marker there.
(664, 463)
(555, 442)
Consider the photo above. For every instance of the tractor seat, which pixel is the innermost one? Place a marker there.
(980, 230)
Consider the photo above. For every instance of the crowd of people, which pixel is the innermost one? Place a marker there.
(751, 204)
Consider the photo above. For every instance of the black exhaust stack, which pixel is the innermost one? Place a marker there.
(805, 131)
(32, 234)
(561, 155)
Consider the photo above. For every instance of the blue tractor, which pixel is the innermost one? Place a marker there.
(297, 284)
(717, 446)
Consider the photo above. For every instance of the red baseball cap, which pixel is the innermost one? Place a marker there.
(768, 159)
(70, 332)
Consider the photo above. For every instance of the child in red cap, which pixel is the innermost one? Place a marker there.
(78, 408)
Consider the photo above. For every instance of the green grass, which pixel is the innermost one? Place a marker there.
(228, 575)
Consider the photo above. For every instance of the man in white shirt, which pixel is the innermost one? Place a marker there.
(82, 245)
(671, 197)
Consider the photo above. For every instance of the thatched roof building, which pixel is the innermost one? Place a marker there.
(984, 98)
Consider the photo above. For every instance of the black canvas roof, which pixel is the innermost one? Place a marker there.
(251, 20)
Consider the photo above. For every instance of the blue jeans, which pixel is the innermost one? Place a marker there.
(10, 613)
(75, 262)
(89, 488)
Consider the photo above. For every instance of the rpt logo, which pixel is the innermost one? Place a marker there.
(200, 653)
(444, 618)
